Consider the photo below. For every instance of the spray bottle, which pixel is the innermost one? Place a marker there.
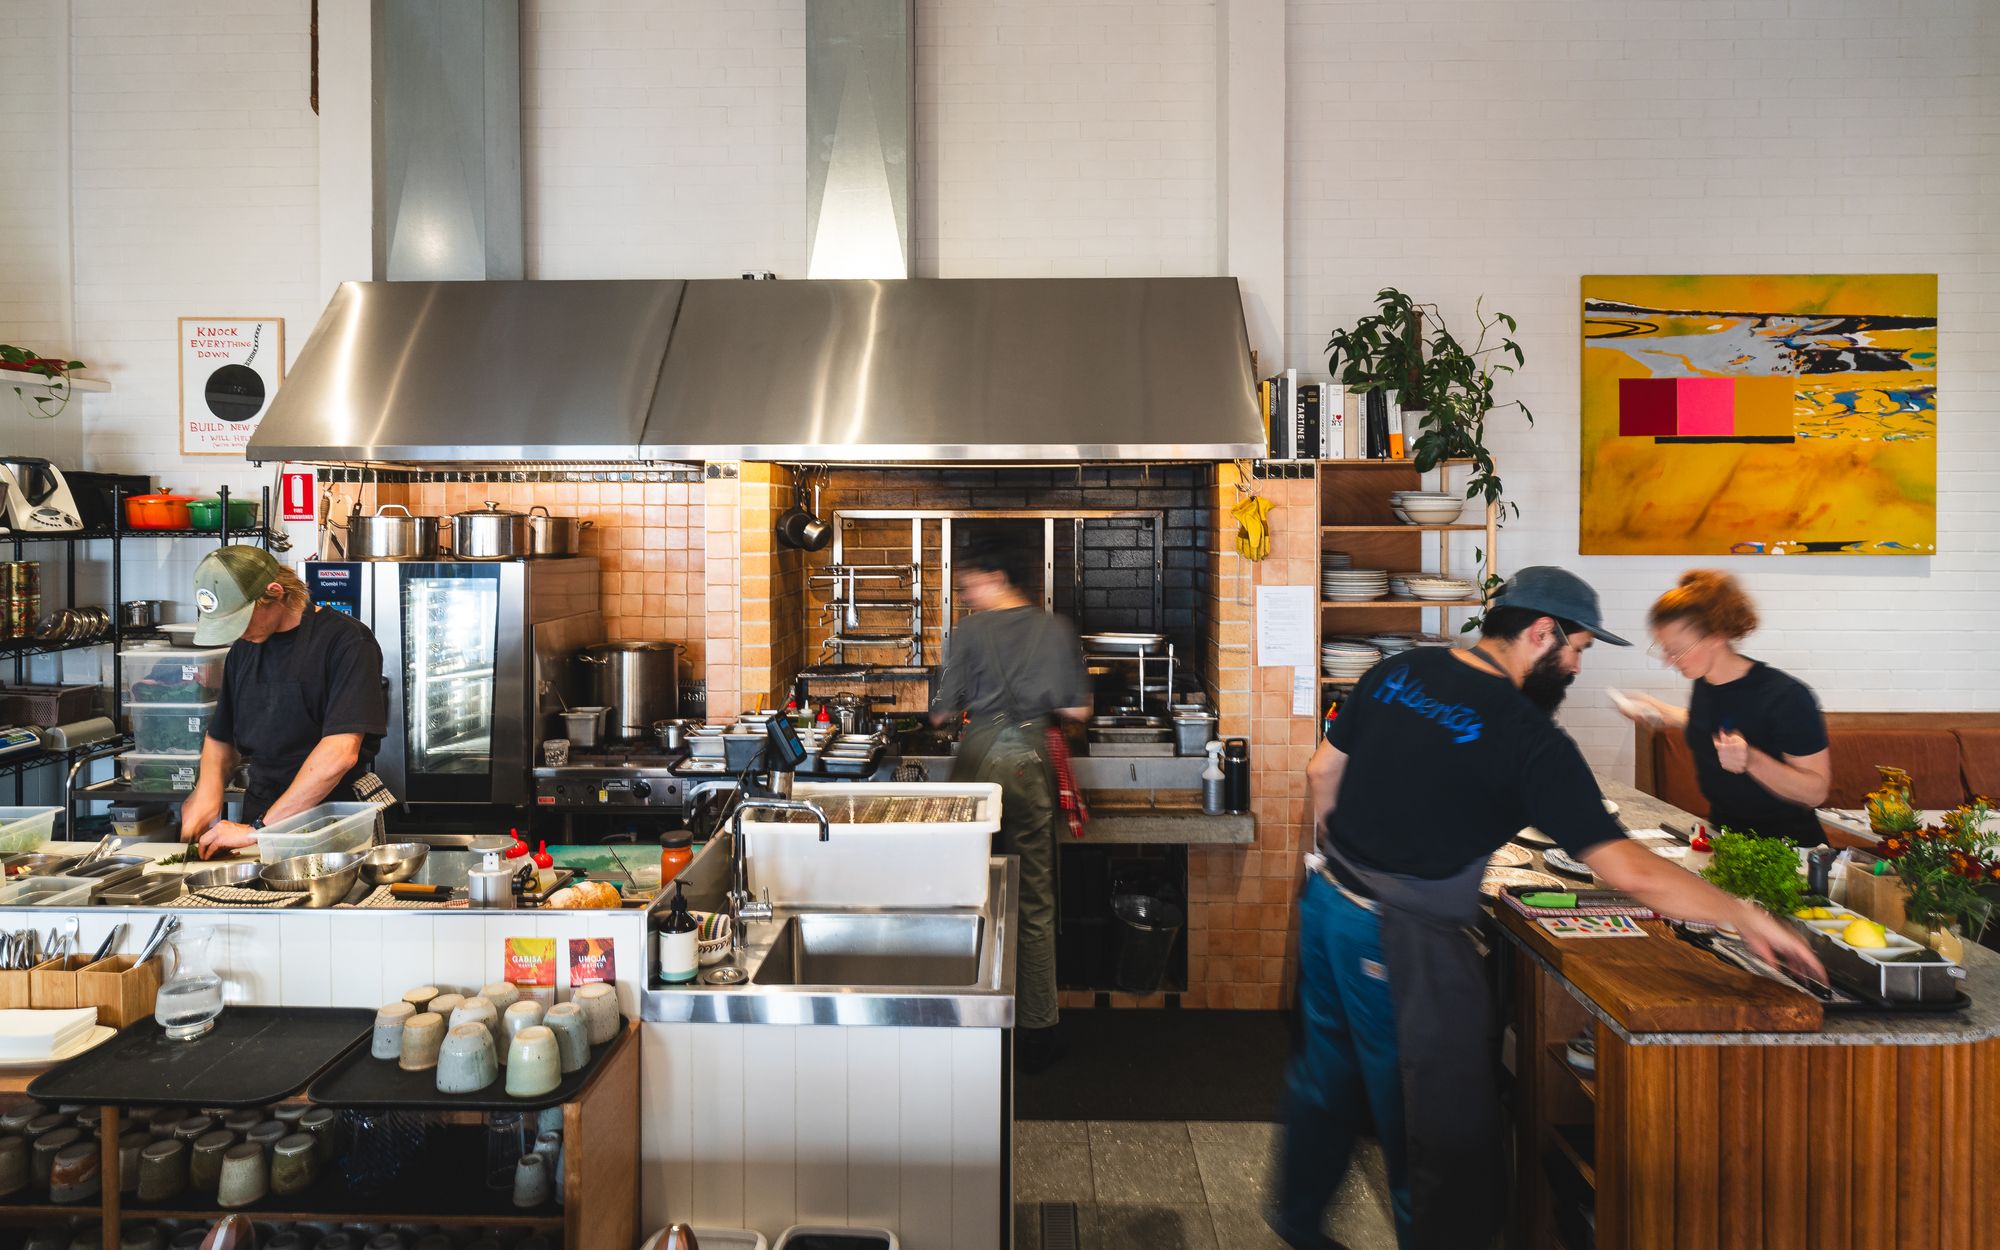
(1214, 792)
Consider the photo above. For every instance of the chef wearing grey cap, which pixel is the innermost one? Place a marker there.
(1435, 760)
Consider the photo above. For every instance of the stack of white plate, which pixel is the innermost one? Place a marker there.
(1396, 644)
(1426, 507)
(1399, 585)
(1336, 560)
(1347, 658)
(1353, 585)
(1430, 586)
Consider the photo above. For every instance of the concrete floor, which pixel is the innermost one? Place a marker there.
(1172, 1185)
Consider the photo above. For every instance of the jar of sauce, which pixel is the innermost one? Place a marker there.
(676, 853)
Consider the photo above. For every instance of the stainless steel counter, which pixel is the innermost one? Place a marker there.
(779, 962)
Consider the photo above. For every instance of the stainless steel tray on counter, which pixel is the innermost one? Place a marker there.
(1124, 643)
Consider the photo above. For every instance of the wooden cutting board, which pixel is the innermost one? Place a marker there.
(1660, 984)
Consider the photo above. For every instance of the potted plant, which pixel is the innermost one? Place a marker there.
(1945, 868)
(53, 397)
(1406, 347)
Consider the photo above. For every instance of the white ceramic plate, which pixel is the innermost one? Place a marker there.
(1498, 879)
(99, 1033)
(1632, 707)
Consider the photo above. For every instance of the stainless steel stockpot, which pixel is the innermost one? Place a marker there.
(391, 537)
(489, 533)
(554, 535)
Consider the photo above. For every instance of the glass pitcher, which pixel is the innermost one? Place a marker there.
(191, 997)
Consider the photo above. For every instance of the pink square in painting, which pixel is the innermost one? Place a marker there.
(1645, 407)
(1705, 406)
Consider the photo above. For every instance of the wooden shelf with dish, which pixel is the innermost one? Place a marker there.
(1586, 1081)
(1402, 528)
(1401, 603)
(1341, 462)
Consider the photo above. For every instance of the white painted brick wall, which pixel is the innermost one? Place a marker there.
(1059, 139)
(663, 139)
(1461, 147)
(195, 192)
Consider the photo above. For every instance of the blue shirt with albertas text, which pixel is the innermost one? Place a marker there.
(1446, 761)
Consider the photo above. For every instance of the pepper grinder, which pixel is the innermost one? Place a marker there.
(490, 884)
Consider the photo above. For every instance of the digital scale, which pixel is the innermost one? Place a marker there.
(17, 741)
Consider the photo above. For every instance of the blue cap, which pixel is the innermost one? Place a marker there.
(1559, 593)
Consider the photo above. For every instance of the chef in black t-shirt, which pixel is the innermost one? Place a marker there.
(302, 705)
(1436, 759)
(1757, 736)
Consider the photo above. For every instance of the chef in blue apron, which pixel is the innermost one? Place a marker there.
(303, 707)
(1435, 760)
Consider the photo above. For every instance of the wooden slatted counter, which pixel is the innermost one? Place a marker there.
(1725, 1112)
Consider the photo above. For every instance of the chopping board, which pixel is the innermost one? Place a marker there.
(1660, 984)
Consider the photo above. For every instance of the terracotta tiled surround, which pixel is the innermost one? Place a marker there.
(648, 540)
(699, 563)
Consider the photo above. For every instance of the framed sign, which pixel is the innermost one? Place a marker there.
(230, 369)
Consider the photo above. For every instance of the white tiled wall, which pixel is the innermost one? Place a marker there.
(1464, 147)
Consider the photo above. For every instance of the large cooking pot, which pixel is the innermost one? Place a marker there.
(554, 535)
(639, 681)
(387, 537)
(489, 533)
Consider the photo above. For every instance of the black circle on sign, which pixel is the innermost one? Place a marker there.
(235, 393)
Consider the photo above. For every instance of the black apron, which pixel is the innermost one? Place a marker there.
(1446, 1048)
(271, 713)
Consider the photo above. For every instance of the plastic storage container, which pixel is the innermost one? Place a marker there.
(25, 828)
(825, 1237)
(319, 830)
(48, 892)
(169, 728)
(167, 774)
(173, 674)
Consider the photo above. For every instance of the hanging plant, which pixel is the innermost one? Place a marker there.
(1391, 349)
(50, 400)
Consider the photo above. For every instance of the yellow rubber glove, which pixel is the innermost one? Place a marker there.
(1253, 535)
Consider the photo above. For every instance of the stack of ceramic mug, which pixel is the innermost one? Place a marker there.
(467, 1041)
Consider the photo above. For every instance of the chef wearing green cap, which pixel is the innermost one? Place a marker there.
(302, 707)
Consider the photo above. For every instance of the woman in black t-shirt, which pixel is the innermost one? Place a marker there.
(1758, 739)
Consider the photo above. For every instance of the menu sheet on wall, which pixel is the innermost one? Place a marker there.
(1285, 639)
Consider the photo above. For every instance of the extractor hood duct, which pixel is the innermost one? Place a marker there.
(979, 369)
(473, 373)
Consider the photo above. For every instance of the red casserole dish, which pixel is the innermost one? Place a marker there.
(162, 511)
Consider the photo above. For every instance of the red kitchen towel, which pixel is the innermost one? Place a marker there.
(1071, 798)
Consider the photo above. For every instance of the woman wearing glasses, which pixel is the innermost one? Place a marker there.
(1758, 739)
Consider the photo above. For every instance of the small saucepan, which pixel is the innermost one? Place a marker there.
(802, 529)
(672, 734)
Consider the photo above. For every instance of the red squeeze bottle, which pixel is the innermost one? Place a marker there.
(519, 848)
(542, 857)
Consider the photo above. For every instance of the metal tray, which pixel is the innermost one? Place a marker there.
(359, 1080)
(1125, 644)
(144, 892)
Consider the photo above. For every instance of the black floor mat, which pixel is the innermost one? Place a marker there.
(1130, 1064)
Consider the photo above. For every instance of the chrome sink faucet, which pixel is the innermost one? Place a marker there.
(742, 906)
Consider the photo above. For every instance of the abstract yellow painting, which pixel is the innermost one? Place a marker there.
(1765, 414)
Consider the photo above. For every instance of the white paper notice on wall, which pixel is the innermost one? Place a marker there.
(230, 368)
(1285, 627)
(1305, 700)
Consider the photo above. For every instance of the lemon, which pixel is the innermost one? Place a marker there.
(1864, 933)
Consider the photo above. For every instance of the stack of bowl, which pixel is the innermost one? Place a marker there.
(1426, 507)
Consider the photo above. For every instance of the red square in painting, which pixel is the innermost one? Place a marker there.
(1705, 406)
(1645, 407)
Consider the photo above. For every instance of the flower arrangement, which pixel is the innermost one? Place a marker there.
(1890, 810)
(1946, 867)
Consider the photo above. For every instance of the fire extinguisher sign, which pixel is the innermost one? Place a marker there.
(297, 491)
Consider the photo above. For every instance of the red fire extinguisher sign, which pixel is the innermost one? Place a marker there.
(298, 495)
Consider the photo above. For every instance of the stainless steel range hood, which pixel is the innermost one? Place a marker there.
(473, 373)
(1052, 369)
(859, 371)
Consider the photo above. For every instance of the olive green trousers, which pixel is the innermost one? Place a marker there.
(1014, 756)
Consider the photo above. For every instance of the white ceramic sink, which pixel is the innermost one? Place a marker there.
(881, 864)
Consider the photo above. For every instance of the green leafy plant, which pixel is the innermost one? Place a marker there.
(1407, 347)
(49, 401)
(1764, 871)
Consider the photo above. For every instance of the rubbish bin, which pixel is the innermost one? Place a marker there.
(1147, 930)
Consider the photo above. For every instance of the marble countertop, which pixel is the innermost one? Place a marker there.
(1976, 1023)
